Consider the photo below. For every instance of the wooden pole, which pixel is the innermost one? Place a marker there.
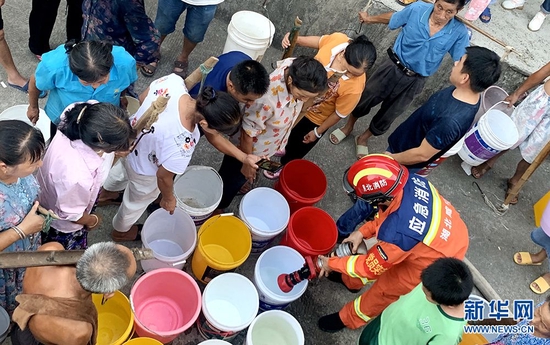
(196, 76)
(481, 283)
(293, 37)
(536, 163)
(56, 257)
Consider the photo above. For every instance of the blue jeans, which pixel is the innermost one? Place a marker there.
(197, 18)
(545, 7)
(357, 214)
(541, 238)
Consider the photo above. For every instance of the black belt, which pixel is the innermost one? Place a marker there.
(393, 57)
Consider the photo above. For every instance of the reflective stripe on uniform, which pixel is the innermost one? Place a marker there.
(350, 267)
(357, 308)
(436, 216)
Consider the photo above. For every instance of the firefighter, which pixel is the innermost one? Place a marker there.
(414, 227)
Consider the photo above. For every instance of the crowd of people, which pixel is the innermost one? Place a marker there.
(99, 155)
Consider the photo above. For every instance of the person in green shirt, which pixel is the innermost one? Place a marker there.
(432, 313)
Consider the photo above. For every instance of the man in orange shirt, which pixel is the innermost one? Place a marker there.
(414, 227)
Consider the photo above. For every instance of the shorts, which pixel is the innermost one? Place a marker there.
(197, 18)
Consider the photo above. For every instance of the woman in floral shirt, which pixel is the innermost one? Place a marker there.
(267, 123)
(21, 150)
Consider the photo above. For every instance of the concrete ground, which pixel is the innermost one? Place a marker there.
(493, 238)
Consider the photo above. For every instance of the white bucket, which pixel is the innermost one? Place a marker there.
(272, 263)
(250, 33)
(19, 112)
(133, 105)
(266, 213)
(494, 133)
(275, 327)
(214, 342)
(171, 237)
(486, 310)
(229, 304)
(198, 192)
(493, 98)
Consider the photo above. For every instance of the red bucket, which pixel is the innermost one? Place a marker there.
(311, 231)
(302, 183)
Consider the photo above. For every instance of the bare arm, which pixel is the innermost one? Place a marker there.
(529, 83)
(416, 155)
(32, 111)
(226, 147)
(384, 18)
(31, 224)
(304, 41)
(143, 95)
(165, 182)
(329, 122)
(91, 221)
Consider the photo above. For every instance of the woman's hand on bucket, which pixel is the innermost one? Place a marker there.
(325, 269)
(168, 203)
(356, 238)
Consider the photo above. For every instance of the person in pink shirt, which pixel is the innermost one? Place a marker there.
(76, 164)
(540, 236)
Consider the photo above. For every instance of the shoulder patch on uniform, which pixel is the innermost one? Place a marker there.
(381, 252)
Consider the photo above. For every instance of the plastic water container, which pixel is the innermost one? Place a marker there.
(494, 133)
(272, 263)
(302, 183)
(171, 237)
(143, 341)
(133, 105)
(224, 244)
(198, 192)
(250, 33)
(4, 324)
(493, 98)
(229, 304)
(311, 231)
(166, 302)
(19, 112)
(214, 342)
(115, 319)
(275, 327)
(266, 213)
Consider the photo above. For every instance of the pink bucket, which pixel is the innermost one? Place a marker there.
(166, 302)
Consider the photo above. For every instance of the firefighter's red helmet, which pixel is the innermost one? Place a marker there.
(375, 178)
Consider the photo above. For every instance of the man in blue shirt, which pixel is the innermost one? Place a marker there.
(438, 124)
(446, 117)
(236, 73)
(428, 32)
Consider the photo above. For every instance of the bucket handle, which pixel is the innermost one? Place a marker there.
(178, 263)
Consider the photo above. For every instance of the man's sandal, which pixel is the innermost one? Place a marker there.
(480, 170)
(509, 187)
(360, 150)
(542, 285)
(526, 259)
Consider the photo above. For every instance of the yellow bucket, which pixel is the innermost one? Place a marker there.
(143, 341)
(473, 339)
(224, 244)
(115, 319)
(539, 208)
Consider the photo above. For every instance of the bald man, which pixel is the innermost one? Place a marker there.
(56, 304)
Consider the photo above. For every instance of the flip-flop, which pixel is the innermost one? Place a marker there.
(339, 135)
(280, 153)
(405, 3)
(480, 170)
(25, 89)
(509, 187)
(526, 259)
(486, 13)
(360, 150)
(184, 66)
(272, 176)
(149, 69)
(542, 284)
(115, 201)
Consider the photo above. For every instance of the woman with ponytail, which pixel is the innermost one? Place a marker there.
(166, 150)
(76, 165)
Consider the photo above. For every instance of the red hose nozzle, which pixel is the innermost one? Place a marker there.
(287, 282)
